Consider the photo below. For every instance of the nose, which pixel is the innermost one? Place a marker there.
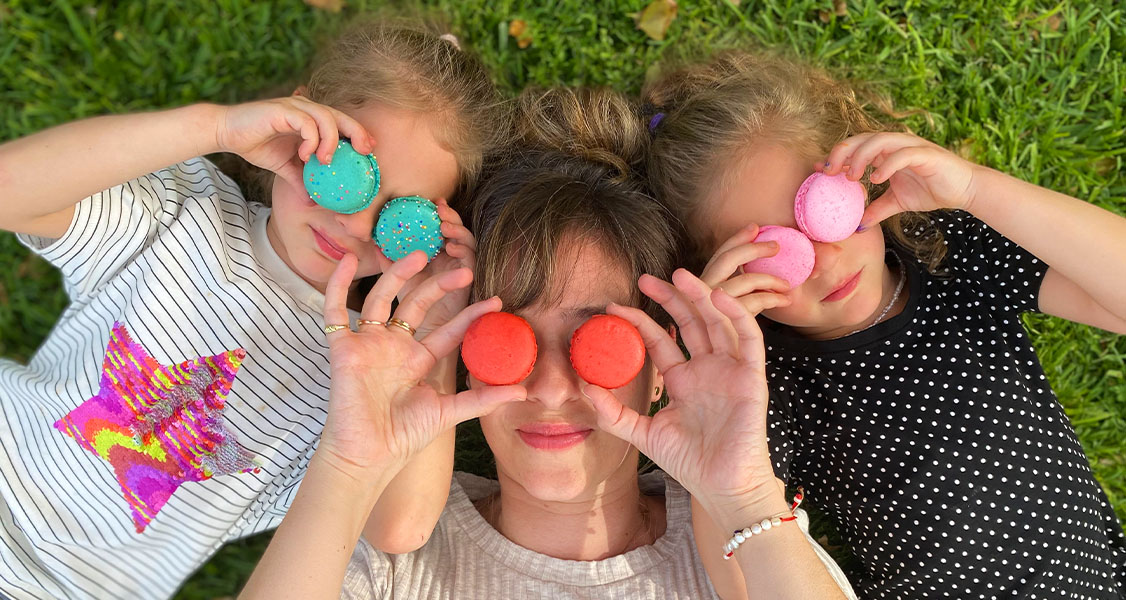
(553, 382)
(360, 224)
(825, 258)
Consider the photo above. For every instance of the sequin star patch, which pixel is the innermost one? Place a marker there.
(159, 426)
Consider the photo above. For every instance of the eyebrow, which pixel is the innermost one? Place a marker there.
(582, 313)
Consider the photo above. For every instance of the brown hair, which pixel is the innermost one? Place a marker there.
(571, 177)
(714, 112)
(409, 64)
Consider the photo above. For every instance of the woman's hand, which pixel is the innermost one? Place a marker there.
(921, 175)
(281, 134)
(711, 436)
(380, 408)
(755, 291)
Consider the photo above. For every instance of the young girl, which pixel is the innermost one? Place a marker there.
(177, 403)
(906, 397)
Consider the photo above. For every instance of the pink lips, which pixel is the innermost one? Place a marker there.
(552, 436)
(328, 246)
(844, 289)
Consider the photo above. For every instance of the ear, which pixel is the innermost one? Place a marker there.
(301, 91)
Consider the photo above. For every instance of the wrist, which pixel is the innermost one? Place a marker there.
(737, 512)
(982, 195)
(201, 126)
(362, 482)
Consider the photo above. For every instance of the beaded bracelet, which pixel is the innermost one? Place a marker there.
(742, 535)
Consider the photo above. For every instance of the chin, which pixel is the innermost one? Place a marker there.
(559, 484)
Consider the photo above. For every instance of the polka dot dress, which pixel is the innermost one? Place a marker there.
(937, 445)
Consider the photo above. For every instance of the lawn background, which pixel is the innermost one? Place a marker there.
(1036, 89)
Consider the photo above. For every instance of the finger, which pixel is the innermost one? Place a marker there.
(693, 330)
(746, 328)
(458, 233)
(447, 212)
(292, 173)
(477, 402)
(745, 235)
(336, 291)
(881, 208)
(877, 145)
(377, 306)
(724, 264)
(836, 159)
(905, 158)
(661, 346)
(418, 302)
(357, 135)
(326, 128)
(720, 334)
(756, 303)
(446, 338)
(306, 126)
(748, 283)
(617, 419)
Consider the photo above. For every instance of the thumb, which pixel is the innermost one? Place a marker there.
(617, 419)
(881, 208)
(292, 172)
(476, 402)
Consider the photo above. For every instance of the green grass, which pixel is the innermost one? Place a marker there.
(1034, 88)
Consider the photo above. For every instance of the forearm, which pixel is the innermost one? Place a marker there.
(309, 553)
(778, 563)
(405, 515)
(1083, 242)
(50, 171)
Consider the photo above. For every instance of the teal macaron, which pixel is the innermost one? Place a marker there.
(346, 185)
(407, 224)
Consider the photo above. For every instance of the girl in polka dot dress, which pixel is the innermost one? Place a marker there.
(906, 397)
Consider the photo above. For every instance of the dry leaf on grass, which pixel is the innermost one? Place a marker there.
(329, 5)
(656, 18)
(840, 7)
(518, 29)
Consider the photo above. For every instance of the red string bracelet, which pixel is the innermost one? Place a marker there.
(742, 535)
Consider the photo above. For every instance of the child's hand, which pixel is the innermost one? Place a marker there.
(281, 134)
(755, 291)
(381, 409)
(460, 251)
(922, 176)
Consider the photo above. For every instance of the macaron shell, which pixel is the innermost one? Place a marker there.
(499, 349)
(607, 351)
(407, 224)
(795, 258)
(828, 208)
(346, 185)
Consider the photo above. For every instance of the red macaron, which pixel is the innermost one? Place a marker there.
(607, 351)
(499, 349)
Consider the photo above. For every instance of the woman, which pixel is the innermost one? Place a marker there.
(562, 237)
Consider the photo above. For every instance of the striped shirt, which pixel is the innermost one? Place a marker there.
(175, 405)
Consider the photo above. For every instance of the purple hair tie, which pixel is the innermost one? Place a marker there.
(655, 121)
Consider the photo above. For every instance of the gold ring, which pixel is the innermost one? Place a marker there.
(368, 322)
(401, 324)
(334, 328)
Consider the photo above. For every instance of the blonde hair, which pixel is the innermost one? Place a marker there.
(406, 63)
(571, 177)
(716, 111)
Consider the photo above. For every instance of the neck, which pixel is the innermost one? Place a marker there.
(614, 520)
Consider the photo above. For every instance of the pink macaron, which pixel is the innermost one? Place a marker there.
(794, 261)
(828, 208)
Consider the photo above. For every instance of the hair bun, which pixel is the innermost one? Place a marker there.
(595, 124)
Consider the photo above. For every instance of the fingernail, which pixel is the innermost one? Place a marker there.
(827, 164)
(862, 227)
